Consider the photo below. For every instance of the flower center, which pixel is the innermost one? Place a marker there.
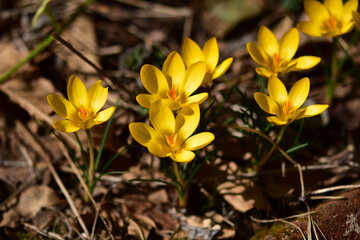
(172, 94)
(83, 113)
(277, 62)
(171, 140)
(331, 24)
(286, 108)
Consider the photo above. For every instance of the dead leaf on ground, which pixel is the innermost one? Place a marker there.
(34, 198)
(243, 195)
(140, 226)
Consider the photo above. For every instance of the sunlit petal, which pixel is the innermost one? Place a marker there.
(174, 67)
(306, 62)
(198, 141)
(348, 8)
(347, 28)
(266, 103)
(276, 121)
(187, 120)
(356, 17)
(299, 93)
(289, 43)
(210, 52)
(162, 118)
(194, 76)
(77, 93)
(191, 52)
(198, 98)
(316, 11)
(277, 90)
(104, 115)
(314, 109)
(264, 72)
(146, 100)
(222, 68)
(62, 107)
(66, 126)
(310, 28)
(267, 41)
(97, 96)
(142, 133)
(183, 156)
(256, 54)
(335, 7)
(154, 80)
(158, 149)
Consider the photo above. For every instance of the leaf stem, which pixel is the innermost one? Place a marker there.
(183, 191)
(91, 169)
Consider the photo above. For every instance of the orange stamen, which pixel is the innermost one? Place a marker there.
(276, 59)
(82, 113)
(171, 140)
(172, 94)
(286, 107)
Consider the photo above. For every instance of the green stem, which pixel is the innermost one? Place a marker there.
(332, 79)
(183, 191)
(91, 171)
(268, 155)
(45, 43)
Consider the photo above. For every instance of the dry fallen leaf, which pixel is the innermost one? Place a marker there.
(243, 195)
(34, 198)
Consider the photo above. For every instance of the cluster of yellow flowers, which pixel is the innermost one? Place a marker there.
(171, 92)
(330, 19)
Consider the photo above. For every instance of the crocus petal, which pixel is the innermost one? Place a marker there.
(288, 44)
(356, 17)
(266, 103)
(277, 90)
(267, 41)
(191, 52)
(63, 107)
(186, 122)
(66, 126)
(97, 97)
(146, 100)
(142, 133)
(310, 28)
(158, 149)
(306, 62)
(349, 7)
(316, 11)
(276, 121)
(314, 109)
(346, 28)
(76, 91)
(197, 98)
(256, 54)
(183, 156)
(335, 7)
(299, 93)
(194, 76)
(104, 115)
(154, 80)
(174, 67)
(162, 118)
(210, 52)
(264, 72)
(198, 141)
(222, 68)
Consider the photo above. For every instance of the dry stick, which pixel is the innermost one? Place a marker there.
(323, 190)
(47, 160)
(83, 184)
(298, 165)
(80, 55)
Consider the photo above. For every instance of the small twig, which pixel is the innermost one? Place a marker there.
(280, 219)
(324, 190)
(51, 167)
(83, 184)
(48, 234)
(294, 225)
(326, 197)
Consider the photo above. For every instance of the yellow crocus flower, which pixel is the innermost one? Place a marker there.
(170, 136)
(286, 107)
(174, 84)
(330, 19)
(276, 57)
(192, 53)
(82, 108)
(356, 17)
